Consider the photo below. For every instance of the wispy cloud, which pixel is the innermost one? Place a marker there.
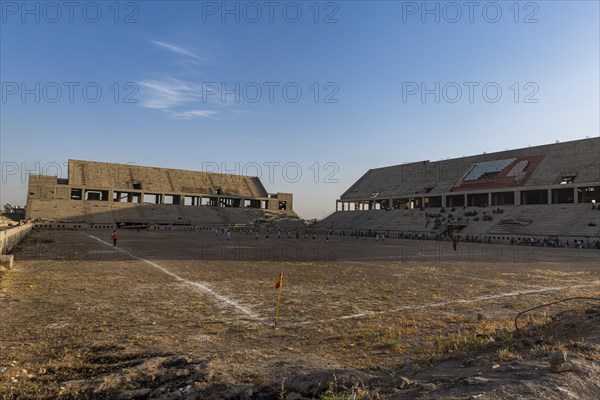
(191, 114)
(172, 95)
(177, 50)
(168, 93)
(182, 98)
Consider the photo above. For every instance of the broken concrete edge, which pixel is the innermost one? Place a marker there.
(7, 260)
(9, 238)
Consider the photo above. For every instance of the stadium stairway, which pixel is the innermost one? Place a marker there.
(404, 220)
(561, 220)
(481, 228)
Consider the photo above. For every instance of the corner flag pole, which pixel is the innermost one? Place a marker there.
(278, 286)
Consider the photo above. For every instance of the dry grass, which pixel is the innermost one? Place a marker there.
(96, 311)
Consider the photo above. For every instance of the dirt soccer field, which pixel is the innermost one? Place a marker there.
(170, 314)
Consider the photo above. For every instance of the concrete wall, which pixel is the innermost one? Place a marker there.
(281, 197)
(124, 177)
(10, 237)
(109, 193)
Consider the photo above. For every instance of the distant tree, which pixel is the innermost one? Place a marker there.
(8, 208)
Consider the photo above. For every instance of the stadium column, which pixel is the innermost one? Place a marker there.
(489, 202)
(575, 195)
(517, 197)
(549, 196)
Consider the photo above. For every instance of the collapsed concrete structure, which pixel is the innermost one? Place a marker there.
(543, 190)
(99, 193)
(559, 173)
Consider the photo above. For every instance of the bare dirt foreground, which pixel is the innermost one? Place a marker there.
(189, 315)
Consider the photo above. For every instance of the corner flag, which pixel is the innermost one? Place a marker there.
(279, 281)
(278, 287)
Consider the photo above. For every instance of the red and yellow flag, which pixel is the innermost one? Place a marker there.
(278, 287)
(279, 281)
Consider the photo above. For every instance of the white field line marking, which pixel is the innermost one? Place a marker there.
(445, 303)
(407, 269)
(197, 285)
(476, 279)
(426, 253)
(371, 258)
(405, 256)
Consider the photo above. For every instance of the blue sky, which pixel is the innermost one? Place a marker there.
(180, 85)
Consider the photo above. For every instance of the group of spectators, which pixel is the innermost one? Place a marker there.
(437, 222)
(476, 239)
(272, 232)
(551, 241)
(439, 219)
(420, 236)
